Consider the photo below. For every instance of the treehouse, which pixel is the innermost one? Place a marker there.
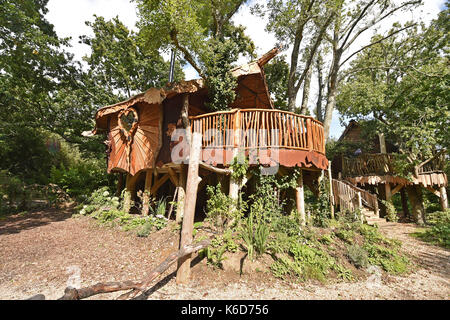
(376, 170)
(149, 136)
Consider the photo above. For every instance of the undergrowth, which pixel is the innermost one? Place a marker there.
(439, 231)
(108, 210)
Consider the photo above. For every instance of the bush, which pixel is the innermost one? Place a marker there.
(391, 214)
(109, 210)
(439, 233)
(357, 256)
(81, 178)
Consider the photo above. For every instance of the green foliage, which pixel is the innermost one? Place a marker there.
(220, 208)
(119, 62)
(358, 256)
(439, 233)
(320, 208)
(81, 178)
(401, 84)
(277, 73)
(108, 209)
(391, 212)
(306, 262)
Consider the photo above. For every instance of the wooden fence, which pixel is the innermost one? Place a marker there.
(256, 128)
(380, 164)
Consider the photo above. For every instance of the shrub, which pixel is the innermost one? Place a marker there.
(357, 256)
(439, 233)
(81, 178)
(220, 208)
(391, 214)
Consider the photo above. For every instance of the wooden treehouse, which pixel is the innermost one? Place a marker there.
(376, 171)
(166, 143)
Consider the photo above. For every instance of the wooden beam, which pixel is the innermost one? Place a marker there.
(214, 169)
(396, 189)
(159, 183)
(434, 191)
(184, 264)
(173, 177)
(300, 198)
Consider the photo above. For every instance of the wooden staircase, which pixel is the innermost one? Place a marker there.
(350, 197)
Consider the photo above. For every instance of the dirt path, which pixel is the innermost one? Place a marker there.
(45, 251)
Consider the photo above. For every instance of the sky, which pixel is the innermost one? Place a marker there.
(69, 18)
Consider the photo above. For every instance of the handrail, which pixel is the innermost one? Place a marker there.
(256, 128)
(345, 194)
(384, 164)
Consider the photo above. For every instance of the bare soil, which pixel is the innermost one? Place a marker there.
(44, 251)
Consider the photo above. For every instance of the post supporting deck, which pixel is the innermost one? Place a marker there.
(443, 198)
(184, 264)
(181, 193)
(300, 198)
(147, 191)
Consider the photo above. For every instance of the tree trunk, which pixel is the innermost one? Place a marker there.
(306, 89)
(415, 197)
(404, 202)
(332, 92)
(319, 111)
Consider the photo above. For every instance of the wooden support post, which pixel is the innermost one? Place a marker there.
(300, 198)
(184, 264)
(443, 198)
(147, 192)
(119, 185)
(129, 194)
(388, 191)
(360, 206)
(235, 184)
(181, 193)
(330, 181)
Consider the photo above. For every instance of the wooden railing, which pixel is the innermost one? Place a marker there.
(346, 196)
(383, 164)
(259, 128)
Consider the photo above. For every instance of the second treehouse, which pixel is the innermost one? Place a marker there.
(150, 138)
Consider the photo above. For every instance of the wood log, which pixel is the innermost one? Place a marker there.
(136, 287)
(184, 265)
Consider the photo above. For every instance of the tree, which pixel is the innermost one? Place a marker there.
(350, 22)
(119, 65)
(400, 87)
(292, 22)
(204, 34)
(277, 75)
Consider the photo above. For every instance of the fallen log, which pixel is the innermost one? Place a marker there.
(136, 287)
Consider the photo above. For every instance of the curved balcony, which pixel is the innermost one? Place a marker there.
(270, 136)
